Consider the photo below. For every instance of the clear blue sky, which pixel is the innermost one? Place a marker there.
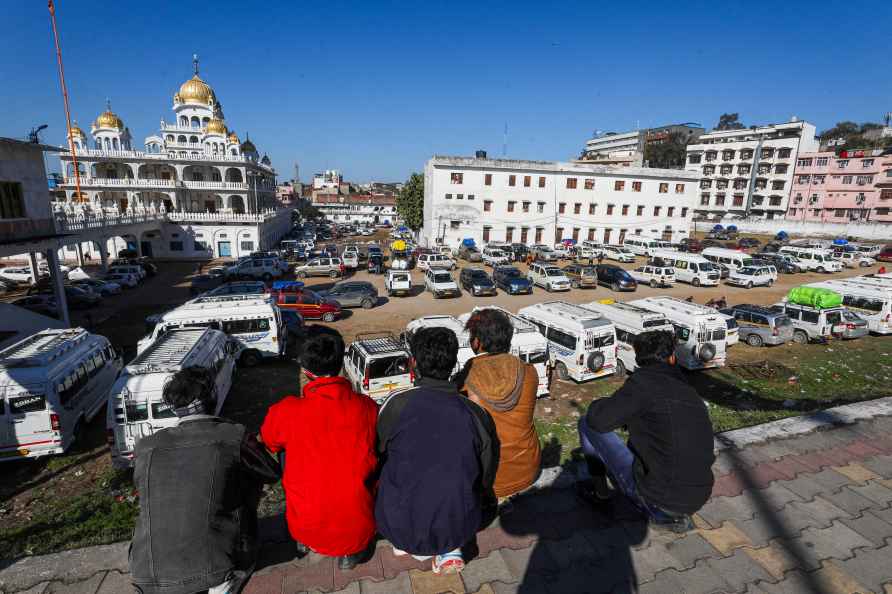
(376, 88)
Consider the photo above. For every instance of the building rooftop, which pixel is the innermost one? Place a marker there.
(559, 167)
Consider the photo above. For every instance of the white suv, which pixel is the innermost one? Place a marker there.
(440, 283)
(617, 253)
(378, 366)
(655, 276)
(494, 257)
(548, 276)
(752, 276)
(428, 261)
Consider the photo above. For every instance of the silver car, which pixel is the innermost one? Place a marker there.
(322, 266)
(760, 326)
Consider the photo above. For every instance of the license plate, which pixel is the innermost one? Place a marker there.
(15, 453)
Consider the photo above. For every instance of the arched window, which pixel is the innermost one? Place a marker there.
(234, 153)
(205, 121)
(170, 138)
(184, 121)
(181, 138)
(115, 143)
(107, 145)
(193, 139)
(195, 122)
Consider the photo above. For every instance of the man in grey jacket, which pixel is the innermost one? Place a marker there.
(199, 484)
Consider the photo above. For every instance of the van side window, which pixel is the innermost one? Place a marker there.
(683, 264)
(811, 317)
(760, 320)
(624, 336)
(244, 326)
(562, 338)
(793, 313)
(866, 303)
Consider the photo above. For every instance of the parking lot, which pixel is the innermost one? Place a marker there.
(758, 384)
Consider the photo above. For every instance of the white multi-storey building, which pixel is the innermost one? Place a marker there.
(545, 201)
(362, 209)
(195, 171)
(748, 172)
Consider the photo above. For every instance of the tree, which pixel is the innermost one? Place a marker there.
(669, 154)
(729, 121)
(308, 211)
(410, 202)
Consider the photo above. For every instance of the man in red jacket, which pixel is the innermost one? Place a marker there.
(328, 435)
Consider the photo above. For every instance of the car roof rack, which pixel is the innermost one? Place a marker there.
(41, 349)
(376, 343)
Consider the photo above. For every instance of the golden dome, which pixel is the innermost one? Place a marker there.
(216, 126)
(233, 138)
(76, 132)
(108, 119)
(195, 90)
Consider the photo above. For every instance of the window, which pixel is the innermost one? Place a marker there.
(591, 234)
(448, 196)
(539, 231)
(247, 246)
(577, 208)
(777, 185)
(784, 153)
(589, 184)
(470, 196)
(720, 200)
(803, 179)
(575, 233)
(670, 211)
(526, 181)
(639, 210)
(525, 205)
(542, 181)
(694, 159)
(454, 224)
(625, 210)
(200, 246)
(457, 178)
(636, 186)
(487, 179)
(842, 163)
(12, 202)
(684, 211)
(609, 209)
(774, 201)
(509, 234)
(781, 168)
(486, 231)
(664, 188)
(810, 316)
(487, 205)
(246, 326)
(558, 234)
(737, 201)
(511, 204)
(704, 200)
(656, 211)
(512, 180)
(679, 188)
(591, 208)
(176, 246)
(562, 206)
(562, 338)
(459, 196)
(619, 185)
(524, 232)
(821, 161)
(803, 163)
(571, 183)
(540, 207)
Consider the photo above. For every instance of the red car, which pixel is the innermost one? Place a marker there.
(885, 254)
(307, 303)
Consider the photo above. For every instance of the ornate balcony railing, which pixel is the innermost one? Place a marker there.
(129, 182)
(216, 185)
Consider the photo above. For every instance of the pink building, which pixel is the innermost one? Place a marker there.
(841, 188)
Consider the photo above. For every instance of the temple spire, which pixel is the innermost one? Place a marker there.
(195, 63)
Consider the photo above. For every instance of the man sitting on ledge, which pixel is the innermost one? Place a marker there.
(666, 468)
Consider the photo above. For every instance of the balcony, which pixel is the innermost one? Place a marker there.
(216, 185)
(172, 156)
(126, 182)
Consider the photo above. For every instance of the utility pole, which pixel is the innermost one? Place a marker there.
(757, 155)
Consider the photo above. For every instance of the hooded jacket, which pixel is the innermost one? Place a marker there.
(328, 436)
(506, 387)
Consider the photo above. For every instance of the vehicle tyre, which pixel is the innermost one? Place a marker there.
(328, 317)
(696, 282)
(390, 293)
(548, 287)
(301, 274)
(863, 264)
(368, 304)
(333, 274)
(754, 340)
(749, 285)
(575, 284)
(770, 282)
(620, 369)
(267, 277)
(77, 433)
(561, 370)
(706, 352)
(654, 283)
(595, 361)
(614, 287)
(800, 337)
(250, 359)
(821, 269)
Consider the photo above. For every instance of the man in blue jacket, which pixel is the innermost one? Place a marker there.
(666, 468)
(439, 455)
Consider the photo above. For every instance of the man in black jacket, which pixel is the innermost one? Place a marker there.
(666, 468)
(439, 455)
(199, 485)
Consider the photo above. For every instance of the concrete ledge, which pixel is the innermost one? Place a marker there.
(69, 566)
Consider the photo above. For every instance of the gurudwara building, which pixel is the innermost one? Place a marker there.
(215, 193)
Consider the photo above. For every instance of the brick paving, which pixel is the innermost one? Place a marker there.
(810, 514)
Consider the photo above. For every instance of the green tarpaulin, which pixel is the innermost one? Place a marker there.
(814, 297)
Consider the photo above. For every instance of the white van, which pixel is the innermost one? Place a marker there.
(690, 268)
(643, 246)
(732, 259)
(870, 301)
(251, 319)
(430, 261)
(630, 321)
(700, 331)
(819, 260)
(526, 343)
(137, 271)
(581, 343)
(136, 406)
(465, 352)
(52, 384)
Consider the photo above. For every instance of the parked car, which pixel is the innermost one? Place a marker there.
(77, 298)
(761, 326)
(618, 254)
(469, 253)
(854, 259)
(352, 293)
(885, 254)
(691, 245)
(748, 242)
(618, 279)
(752, 276)
(255, 268)
(544, 253)
(204, 282)
(548, 276)
(655, 276)
(495, 257)
(17, 274)
(331, 267)
(398, 282)
(510, 280)
(784, 263)
(561, 251)
(519, 252)
(128, 281)
(351, 259)
(440, 283)
(812, 324)
(476, 282)
(429, 260)
(307, 303)
(104, 288)
(44, 305)
(581, 276)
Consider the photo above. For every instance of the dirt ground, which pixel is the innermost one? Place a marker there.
(30, 513)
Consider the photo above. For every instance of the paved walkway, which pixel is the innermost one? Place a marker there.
(805, 514)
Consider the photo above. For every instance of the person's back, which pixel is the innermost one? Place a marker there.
(439, 453)
(199, 485)
(506, 387)
(328, 435)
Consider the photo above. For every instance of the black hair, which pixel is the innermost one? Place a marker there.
(656, 346)
(435, 351)
(323, 351)
(188, 385)
(492, 328)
